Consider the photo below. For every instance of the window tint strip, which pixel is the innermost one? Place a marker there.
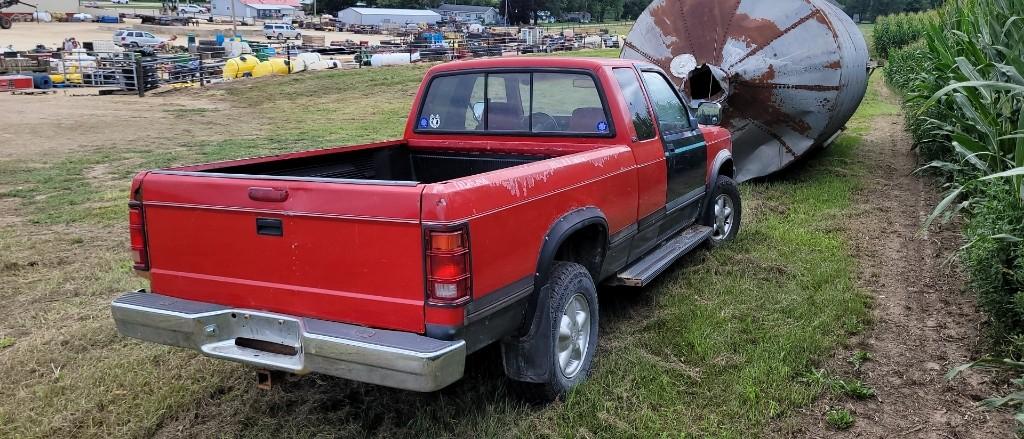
(689, 147)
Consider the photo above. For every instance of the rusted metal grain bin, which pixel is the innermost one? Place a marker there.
(790, 73)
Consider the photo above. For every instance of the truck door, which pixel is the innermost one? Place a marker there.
(685, 151)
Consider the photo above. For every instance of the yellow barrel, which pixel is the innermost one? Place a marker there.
(238, 67)
(281, 66)
(262, 69)
(57, 79)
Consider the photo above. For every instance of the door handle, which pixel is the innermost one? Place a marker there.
(268, 194)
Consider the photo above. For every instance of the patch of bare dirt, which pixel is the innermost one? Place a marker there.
(925, 322)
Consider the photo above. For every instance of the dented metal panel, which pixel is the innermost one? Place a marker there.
(790, 73)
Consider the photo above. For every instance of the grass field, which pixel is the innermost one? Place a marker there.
(720, 346)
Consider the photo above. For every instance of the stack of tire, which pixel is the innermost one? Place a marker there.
(211, 48)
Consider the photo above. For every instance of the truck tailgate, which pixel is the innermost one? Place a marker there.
(343, 252)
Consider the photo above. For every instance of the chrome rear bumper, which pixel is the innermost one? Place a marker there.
(292, 344)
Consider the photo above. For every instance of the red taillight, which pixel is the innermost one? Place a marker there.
(448, 266)
(137, 228)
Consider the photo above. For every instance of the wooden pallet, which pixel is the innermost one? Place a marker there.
(32, 91)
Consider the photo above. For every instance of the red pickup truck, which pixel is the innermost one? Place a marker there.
(519, 185)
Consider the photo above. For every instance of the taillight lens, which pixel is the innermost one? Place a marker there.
(449, 279)
(137, 228)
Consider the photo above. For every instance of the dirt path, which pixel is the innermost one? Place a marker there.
(924, 321)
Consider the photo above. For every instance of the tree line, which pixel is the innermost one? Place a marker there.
(868, 10)
(526, 11)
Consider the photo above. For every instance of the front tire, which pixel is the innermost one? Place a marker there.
(723, 212)
(571, 335)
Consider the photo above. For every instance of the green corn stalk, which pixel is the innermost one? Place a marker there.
(973, 93)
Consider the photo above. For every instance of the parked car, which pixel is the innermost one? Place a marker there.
(119, 2)
(520, 184)
(281, 31)
(134, 38)
(91, 4)
(191, 9)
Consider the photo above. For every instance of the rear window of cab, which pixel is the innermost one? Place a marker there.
(540, 103)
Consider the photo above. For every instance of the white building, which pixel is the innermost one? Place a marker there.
(256, 9)
(384, 16)
(470, 14)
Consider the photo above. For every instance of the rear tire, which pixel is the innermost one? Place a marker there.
(723, 212)
(5, 23)
(572, 333)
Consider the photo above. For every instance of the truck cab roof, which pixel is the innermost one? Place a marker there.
(524, 62)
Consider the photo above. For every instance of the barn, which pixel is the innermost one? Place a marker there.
(384, 16)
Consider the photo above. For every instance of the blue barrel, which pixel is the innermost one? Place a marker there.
(42, 81)
(219, 38)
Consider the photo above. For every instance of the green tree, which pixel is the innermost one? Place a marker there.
(868, 10)
(631, 9)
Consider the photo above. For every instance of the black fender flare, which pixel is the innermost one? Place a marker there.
(562, 229)
(519, 349)
(724, 156)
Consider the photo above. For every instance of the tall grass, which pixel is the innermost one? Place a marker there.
(965, 99)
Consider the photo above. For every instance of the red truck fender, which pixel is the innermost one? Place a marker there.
(720, 161)
(519, 350)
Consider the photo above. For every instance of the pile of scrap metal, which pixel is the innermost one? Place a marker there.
(790, 73)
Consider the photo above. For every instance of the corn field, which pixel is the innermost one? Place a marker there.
(895, 31)
(964, 98)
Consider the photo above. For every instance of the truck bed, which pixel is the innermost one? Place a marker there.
(392, 163)
(332, 234)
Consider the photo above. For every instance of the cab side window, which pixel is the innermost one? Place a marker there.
(639, 110)
(672, 115)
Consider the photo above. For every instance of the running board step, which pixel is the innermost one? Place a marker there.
(643, 271)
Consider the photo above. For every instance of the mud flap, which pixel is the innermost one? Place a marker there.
(526, 358)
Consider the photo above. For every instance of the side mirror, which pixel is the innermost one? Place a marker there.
(478, 111)
(709, 113)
